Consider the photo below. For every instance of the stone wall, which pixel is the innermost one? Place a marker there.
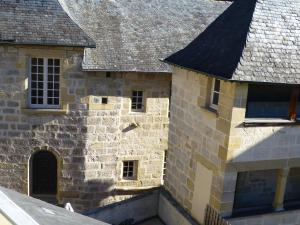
(135, 209)
(198, 135)
(116, 134)
(90, 139)
(220, 141)
(156, 203)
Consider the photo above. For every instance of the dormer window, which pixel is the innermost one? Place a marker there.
(44, 83)
(215, 94)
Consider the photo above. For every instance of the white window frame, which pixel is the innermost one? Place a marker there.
(143, 101)
(213, 91)
(164, 169)
(45, 85)
(134, 172)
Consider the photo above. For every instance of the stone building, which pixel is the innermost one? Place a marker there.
(234, 138)
(84, 102)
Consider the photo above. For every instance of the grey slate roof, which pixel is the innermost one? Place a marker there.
(24, 210)
(253, 40)
(133, 35)
(42, 22)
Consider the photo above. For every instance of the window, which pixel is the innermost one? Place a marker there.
(104, 100)
(129, 169)
(165, 164)
(215, 93)
(273, 101)
(137, 101)
(44, 83)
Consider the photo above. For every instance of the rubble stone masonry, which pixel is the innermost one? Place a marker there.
(89, 139)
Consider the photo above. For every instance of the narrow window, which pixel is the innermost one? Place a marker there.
(137, 101)
(44, 83)
(215, 94)
(129, 169)
(165, 164)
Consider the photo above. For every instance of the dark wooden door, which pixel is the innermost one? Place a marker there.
(44, 174)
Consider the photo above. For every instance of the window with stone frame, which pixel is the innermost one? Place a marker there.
(130, 170)
(44, 84)
(137, 101)
(215, 93)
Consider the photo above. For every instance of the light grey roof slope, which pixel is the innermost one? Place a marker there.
(24, 210)
(42, 22)
(253, 40)
(272, 51)
(132, 35)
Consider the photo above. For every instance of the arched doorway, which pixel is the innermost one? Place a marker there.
(43, 173)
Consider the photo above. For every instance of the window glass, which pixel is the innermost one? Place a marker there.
(129, 169)
(44, 82)
(137, 101)
(215, 93)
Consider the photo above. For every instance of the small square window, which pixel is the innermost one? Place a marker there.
(108, 74)
(104, 100)
(215, 94)
(137, 101)
(129, 170)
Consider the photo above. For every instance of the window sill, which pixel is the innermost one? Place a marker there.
(128, 188)
(137, 112)
(44, 111)
(269, 122)
(209, 109)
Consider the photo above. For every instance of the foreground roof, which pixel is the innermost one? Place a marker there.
(253, 40)
(41, 22)
(134, 35)
(21, 209)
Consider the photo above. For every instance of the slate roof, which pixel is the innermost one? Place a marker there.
(253, 41)
(21, 209)
(42, 22)
(133, 35)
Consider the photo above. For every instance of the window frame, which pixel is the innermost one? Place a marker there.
(164, 169)
(212, 92)
(142, 103)
(134, 172)
(45, 105)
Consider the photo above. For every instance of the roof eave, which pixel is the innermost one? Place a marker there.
(13, 42)
(223, 78)
(124, 71)
(196, 71)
